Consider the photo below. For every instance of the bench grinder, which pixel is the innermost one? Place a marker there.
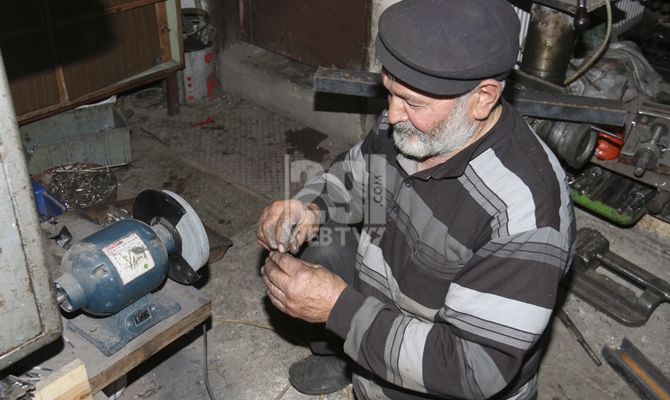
(112, 275)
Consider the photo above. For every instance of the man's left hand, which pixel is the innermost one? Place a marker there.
(299, 289)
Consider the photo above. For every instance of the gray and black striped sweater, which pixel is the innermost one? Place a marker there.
(458, 266)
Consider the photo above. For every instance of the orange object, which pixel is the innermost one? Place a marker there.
(609, 144)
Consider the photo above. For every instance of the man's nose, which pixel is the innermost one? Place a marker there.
(396, 111)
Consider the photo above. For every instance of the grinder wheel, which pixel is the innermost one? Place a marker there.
(191, 249)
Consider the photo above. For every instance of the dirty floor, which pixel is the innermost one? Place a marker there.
(228, 170)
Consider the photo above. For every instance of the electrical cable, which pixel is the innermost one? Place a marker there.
(283, 392)
(600, 50)
(257, 325)
(244, 322)
(263, 326)
(206, 372)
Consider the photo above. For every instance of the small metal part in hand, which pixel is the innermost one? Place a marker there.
(285, 232)
(294, 235)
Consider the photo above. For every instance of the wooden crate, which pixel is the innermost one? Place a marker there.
(62, 53)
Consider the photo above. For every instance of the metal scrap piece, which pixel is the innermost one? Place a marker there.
(639, 373)
(12, 388)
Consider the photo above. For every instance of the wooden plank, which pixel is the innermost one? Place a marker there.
(140, 53)
(20, 15)
(171, 87)
(97, 53)
(196, 308)
(106, 11)
(68, 383)
(31, 69)
(311, 32)
(102, 370)
(60, 77)
(163, 31)
(154, 74)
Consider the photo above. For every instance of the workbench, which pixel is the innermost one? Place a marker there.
(101, 369)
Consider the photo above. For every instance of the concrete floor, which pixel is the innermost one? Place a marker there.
(228, 171)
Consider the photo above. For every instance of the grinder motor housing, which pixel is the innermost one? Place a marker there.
(110, 269)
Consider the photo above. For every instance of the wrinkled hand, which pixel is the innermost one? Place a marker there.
(285, 225)
(299, 289)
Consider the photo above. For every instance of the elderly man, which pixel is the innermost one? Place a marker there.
(466, 224)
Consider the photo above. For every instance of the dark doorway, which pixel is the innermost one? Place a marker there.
(314, 32)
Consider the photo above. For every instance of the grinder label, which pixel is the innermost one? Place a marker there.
(130, 256)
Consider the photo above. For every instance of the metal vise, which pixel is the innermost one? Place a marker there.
(619, 302)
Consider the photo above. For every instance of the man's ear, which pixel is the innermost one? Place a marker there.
(485, 98)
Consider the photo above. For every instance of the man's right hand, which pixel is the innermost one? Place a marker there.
(285, 225)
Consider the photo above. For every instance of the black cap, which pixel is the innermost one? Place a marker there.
(446, 47)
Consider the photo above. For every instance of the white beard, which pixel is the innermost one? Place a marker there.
(447, 138)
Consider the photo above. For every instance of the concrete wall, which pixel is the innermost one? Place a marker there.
(378, 6)
(284, 86)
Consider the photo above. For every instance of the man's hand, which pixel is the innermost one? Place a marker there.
(285, 225)
(301, 290)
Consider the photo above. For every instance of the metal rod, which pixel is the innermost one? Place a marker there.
(577, 335)
(635, 274)
(601, 130)
(530, 103)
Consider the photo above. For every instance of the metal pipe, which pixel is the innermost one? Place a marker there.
(548, 44)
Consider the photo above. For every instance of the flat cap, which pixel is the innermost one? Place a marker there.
(446, 47)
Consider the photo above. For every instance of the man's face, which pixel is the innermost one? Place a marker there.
(426, 126)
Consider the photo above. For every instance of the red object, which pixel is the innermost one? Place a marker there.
(209, 120)
(211, 84)
(609, 147)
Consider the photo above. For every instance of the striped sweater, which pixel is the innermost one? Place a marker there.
(458, 266)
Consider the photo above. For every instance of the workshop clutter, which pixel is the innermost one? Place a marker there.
(198, 79)
(606, 281)
(622, 73)
(48, 204)
(631, 161)
(611, 195)
(70, 155)
(78, 185)
(613, 297)
(98, 134)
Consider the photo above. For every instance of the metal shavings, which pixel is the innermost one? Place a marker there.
(79, 185)
(12, 387)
